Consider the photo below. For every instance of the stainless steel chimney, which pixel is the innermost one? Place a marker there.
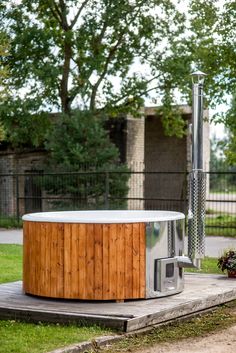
(197, 180)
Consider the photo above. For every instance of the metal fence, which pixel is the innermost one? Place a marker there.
(39, 191)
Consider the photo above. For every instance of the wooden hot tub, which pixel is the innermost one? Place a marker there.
(91, 255)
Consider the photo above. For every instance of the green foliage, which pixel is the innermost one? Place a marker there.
(22, 125)
(73, 54)
(79, 143)
(210, 45)
(227, 261)
(80, 139)
(4, 48)
(4, 51)
(222, 178)
(171, 117)
(230, 145)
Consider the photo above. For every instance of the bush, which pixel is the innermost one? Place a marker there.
(86, 163)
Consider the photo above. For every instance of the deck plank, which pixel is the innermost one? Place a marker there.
(201, 292)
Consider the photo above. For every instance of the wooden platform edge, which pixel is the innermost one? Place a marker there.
(191, 307)
(62, 318)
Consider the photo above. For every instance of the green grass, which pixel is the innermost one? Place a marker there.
(10, 222)
(228, 222)
(219, 319)
(10, 263)
(208, 265)
(18, 337)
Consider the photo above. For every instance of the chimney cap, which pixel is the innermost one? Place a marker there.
(198, 76)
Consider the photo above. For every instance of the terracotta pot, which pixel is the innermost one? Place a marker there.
(232, 273)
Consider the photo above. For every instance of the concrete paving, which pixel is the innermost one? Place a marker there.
(214, 245)
(11, 236)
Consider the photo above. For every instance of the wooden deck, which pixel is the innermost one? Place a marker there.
(201, 292)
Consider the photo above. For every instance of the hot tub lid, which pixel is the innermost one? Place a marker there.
(118, 216)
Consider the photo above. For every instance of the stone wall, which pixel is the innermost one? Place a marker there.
(135, 142)
(13, 187)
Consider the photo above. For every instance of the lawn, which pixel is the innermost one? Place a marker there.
(10, 263)
(31, 338)
(221, 225)
(208, 265)
(19, 337)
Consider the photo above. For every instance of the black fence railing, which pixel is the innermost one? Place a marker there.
(38, 191)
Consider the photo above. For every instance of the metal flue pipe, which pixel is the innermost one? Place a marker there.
(197, 182)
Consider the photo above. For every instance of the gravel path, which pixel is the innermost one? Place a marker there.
(220, 342)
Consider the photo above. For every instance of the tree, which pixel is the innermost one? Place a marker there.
(209, 45)
(230, 120)
(78, 54)
(80, 143)
(4, 48)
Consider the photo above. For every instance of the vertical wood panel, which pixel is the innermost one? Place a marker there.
(136, 260)
(53, 258)
(32, 256)
(59, 260)
(42, 250)
(47, 258)
(120, 261)
(36, 258)
(26, 252)
(128, 260)
(74, 260)
(67, 260)
(82, 261)
(90, 261)
(98, 273)
(106, 263)
(113, 261)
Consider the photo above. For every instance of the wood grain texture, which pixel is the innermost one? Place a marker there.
(84, 261)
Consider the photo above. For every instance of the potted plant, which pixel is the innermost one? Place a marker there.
(228, 262)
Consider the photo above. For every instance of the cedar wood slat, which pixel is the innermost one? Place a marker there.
(98, 261)
(89, 290)
(113, 261)
(106, 264)
(82, 261)
(74, 260)
(136, 267)
(67, 260)
(128, 260)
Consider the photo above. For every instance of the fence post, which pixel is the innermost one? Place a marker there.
(107, 190)
(17, 200)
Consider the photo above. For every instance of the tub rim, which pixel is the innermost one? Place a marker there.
(104, 216)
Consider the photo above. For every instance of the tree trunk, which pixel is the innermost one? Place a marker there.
(64, 91)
